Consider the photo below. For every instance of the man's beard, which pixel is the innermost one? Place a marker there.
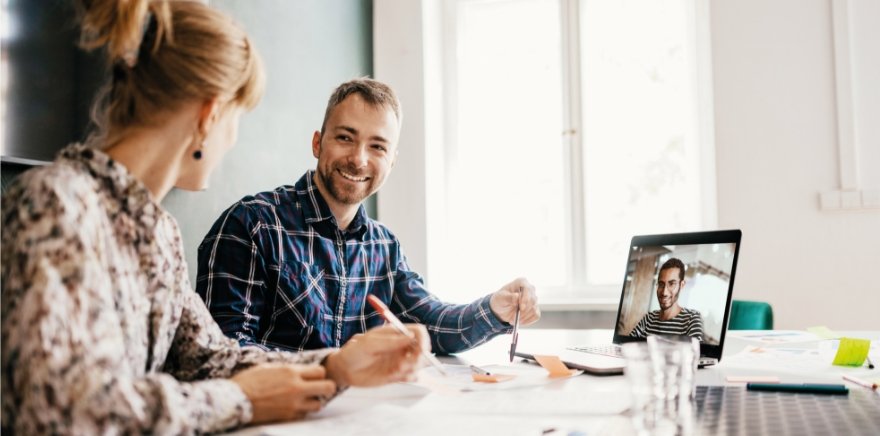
(341, 195)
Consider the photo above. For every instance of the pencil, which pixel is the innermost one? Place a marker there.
(861, 382)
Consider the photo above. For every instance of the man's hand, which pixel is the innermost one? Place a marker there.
(379, 356)
(282, 392)
(503, 302)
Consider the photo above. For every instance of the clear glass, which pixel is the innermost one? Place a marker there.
(641, 377)
(675, 360)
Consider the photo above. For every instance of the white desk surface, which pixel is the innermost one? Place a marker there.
(343, 409)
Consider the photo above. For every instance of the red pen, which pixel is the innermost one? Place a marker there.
(386, 313)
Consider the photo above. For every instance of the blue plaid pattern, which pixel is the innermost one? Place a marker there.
(276, 272)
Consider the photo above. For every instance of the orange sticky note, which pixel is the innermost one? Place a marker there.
(494, 378)
(554, 366)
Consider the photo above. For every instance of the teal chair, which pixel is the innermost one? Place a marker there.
(750, 315)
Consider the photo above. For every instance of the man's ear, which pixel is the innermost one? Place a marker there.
(316, 144)
(209, 112)
(394, 161)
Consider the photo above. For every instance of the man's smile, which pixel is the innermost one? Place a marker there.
(352, 177)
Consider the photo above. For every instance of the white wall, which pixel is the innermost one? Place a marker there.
(777, 149)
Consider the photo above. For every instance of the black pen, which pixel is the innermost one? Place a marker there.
(803, 388)
(515, 337)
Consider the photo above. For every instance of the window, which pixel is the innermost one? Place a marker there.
(571, 126)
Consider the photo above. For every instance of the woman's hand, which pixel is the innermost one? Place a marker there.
(284, 392)
(379, 356)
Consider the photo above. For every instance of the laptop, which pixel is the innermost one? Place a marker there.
(655, 289)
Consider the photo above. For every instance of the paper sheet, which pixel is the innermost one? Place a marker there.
(531, 403)
(460, 379)
(770, 337)
(394, 420)
(773, 360)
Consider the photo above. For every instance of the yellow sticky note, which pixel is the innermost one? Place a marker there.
(554, 366)
(852, 352)
(823, 332)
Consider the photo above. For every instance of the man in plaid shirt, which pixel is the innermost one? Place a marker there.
(291, 268)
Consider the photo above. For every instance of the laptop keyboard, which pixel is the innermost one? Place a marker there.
(728, 410)
(605, 350)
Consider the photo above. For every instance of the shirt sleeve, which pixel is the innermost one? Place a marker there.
(639, 331)
(696, 327)
(200, 350)
(232, 276)
(66, 365)
(453, 327)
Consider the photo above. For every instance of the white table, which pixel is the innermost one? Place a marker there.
(350, 405)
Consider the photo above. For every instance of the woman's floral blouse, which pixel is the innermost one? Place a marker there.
(101, 331)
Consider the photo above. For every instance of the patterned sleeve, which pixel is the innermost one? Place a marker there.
(232, 278)
(200, 350)
(66, 366)
(452, 327)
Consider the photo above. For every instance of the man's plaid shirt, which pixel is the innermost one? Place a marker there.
(276, 272)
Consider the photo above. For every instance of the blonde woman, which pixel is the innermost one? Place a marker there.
(101, 331)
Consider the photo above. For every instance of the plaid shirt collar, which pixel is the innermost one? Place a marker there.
(317, 210)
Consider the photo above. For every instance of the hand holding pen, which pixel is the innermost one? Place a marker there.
(395, 323)
(515, 336)
(516, 294)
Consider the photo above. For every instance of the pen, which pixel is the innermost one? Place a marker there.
(870, 364)
(479, 370)
(515, 337)
(861, 382)
(805, 388)
(385, 312)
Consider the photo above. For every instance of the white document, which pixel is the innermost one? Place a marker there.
(459, 378)
(770, 337)
(394, 420)
(527, 403)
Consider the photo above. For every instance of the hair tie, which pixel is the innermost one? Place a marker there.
(148, 32)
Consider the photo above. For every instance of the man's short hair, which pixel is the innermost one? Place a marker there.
(674, 263)
(374, 93)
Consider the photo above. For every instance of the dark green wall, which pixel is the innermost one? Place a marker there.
(309, 47)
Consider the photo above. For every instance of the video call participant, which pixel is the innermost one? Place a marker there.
(671, 319)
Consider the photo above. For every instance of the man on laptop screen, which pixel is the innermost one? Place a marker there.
(691, 282)
(670, 319)
(674, 284)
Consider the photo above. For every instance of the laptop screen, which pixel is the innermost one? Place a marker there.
(679, 284)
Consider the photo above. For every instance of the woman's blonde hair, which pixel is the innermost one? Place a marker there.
(164, 53)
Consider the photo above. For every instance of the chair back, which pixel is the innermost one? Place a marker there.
(750, 315)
